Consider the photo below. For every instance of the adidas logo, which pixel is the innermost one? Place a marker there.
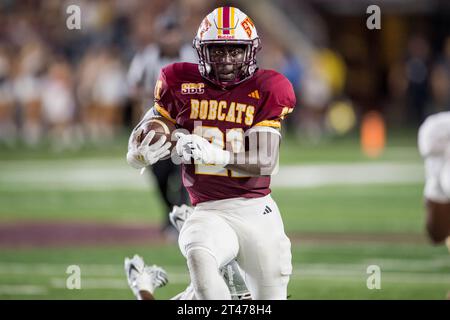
(254, 94)
(267, 210)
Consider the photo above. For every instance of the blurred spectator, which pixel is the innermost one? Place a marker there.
(86, 78)
(108, 94)
(440, 82)
(417, 73)
(8, 128)
(322, 83)
(58, 105)
(380, 70)
(27, 89)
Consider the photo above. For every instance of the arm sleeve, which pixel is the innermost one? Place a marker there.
(434, 176)
(151, 113)
(279, 102)
(434, 135)
(165, 102)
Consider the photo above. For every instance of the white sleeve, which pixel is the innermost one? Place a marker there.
(434, 191)
(434, 135)
(445, 178)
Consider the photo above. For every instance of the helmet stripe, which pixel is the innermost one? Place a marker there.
(232, 20)
(219, 20)
(226, 20)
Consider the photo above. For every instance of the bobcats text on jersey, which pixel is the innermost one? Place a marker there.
(220, 110)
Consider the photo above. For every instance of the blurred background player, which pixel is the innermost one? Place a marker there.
(434, 146)
(143, 280)
(142, 75)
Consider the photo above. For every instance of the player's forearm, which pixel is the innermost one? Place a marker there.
(250, 164)
(260, 160)
(148, 115)
(437, 220)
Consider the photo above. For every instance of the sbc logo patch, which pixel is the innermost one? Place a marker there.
(193, 88)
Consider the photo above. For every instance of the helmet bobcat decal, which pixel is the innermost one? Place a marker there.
(227, 25)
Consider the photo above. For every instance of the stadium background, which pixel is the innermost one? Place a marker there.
(350, 182)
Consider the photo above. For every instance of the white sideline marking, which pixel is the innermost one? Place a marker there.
(105, 270)
(112, 283)
(14, 289)
(111, 270)
(298, 274)
(316, 175)
(117, 175)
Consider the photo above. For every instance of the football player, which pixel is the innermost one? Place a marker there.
(231, 111)
(434, 146)
(143, 280)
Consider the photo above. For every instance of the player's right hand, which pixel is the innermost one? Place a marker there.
(143, 155)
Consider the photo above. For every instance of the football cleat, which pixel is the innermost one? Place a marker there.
(143, 278)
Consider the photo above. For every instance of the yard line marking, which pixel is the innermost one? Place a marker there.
(112, 277)
(112, 283)
(427, 267)
(47, 269)
(91, 175)
(298, 274)
(13, 289)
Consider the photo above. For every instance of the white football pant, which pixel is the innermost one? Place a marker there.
(248, 230)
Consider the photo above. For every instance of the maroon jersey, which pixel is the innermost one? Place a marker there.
(183, 96)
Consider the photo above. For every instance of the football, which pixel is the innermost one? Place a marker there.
(162, 127)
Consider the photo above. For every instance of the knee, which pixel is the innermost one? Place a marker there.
(194, 236)
(201, 258)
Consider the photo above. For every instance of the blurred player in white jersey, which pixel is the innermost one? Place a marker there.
(434, 146)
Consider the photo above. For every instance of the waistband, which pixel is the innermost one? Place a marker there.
(232, 203)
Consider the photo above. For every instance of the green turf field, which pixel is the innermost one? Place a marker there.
(337, 230)
(321, 271)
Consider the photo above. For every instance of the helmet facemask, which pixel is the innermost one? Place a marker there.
(242, 68)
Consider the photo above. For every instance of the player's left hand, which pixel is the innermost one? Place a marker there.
(201, 150)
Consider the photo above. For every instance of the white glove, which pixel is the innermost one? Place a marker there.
(201, 150)
(144, 155)
(179, 215)
(143, 278)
